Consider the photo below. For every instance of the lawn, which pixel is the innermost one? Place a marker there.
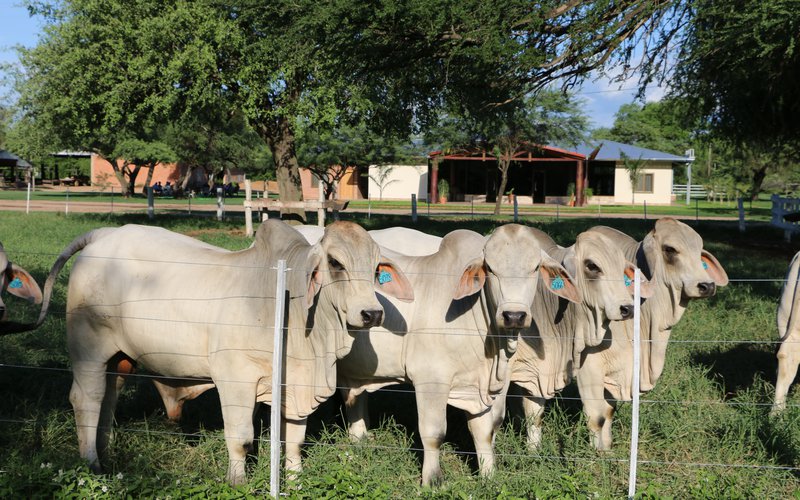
(705, 430)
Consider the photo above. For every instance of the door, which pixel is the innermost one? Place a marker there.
(538, 186)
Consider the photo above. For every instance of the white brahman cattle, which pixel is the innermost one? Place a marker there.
(549, 351)
(453, 343)
(789, 333)
(182, 308)
(16, 281)
(672, 258)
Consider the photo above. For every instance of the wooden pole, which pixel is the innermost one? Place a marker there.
(248, 208)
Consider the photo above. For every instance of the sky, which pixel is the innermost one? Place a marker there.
(601, 98)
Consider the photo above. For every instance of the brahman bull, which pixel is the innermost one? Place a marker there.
(16, 281)
(789, 332)
(672, 258)
(454, 342)
(185, 309)
(549, 352)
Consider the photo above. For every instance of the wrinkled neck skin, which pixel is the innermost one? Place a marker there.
(659, 313)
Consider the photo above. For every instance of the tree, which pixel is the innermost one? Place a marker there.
(327, 152)
(738, 67)
(660, 125)
(634, 169)
(543, 118)
(392, 65)
(100, 79)
(381, 178)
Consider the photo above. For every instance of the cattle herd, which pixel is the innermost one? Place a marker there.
(460, 317)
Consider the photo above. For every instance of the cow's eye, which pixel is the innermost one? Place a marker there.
(592, 268)
(335, 265)
(669, 250)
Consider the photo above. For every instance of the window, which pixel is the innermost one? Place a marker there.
(645, 184)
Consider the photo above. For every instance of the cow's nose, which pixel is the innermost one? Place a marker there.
(626, 311)
(372, 317)
(513, 319)
(706, 288)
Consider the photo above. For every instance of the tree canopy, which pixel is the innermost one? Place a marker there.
(118, 68)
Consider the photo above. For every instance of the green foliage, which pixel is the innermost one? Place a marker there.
(443, 187)
(659, 125)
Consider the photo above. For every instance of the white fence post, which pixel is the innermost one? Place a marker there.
(637, 338)
(277, 387)
(28, 200)
(220, 203)
(248, 209)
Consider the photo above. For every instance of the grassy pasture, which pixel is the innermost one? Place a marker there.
(705, 429)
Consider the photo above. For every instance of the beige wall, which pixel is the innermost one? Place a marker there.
(662, 185)
(401, 183)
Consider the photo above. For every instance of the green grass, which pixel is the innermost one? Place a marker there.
(705, 429)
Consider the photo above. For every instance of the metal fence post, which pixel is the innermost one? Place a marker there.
(516, 210)
(637, 283)
(277, 385)
(28, 200)
(150, 204)
(66, 208)
(413, 208)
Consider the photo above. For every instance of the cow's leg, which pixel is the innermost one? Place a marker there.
(86, 397)
(238, 399)
(432, 417)
(482, 429)
(356, 411)
(294, 434)
(534, 411)
(596, 408)
(788, 360)
(499, 406)
(105, 431)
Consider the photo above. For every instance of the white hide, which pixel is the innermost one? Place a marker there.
(672, 258)
(453, 342)
(789, 334)
(549, 352)
(182, 308)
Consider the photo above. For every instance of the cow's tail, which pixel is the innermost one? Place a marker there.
(76, 246)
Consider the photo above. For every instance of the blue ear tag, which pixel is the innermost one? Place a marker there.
(627, 280)
(557, 283)
(384, 277)
(705, 265)
(16, 283)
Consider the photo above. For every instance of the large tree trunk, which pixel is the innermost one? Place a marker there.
(150, 170)
(119, 174)
(758, 179)
(279, 136)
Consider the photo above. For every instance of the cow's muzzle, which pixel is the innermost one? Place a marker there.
(514, 319)
(706, 288)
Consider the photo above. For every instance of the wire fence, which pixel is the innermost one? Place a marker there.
(454, 334)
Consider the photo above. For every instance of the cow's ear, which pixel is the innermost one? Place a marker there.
(645, 288)
(714, 268)
(22, 284)
(557, 279)
(390, 280)
(313, 275)
(649, 255)
(472, 280)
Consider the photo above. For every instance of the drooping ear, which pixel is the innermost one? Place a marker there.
(645, 288)
(557, 280)
(714, 268)
(390, 280)
(22, 284)
(313, 275)
(648, 256)
(472, 280)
